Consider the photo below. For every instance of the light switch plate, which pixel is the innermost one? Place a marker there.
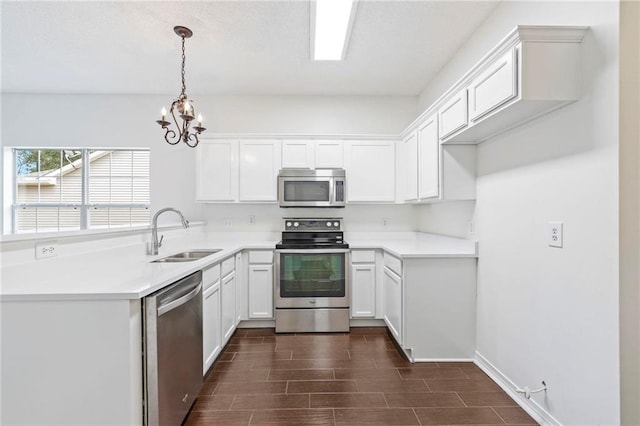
(554, 234)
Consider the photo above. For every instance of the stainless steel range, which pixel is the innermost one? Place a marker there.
(312, 277)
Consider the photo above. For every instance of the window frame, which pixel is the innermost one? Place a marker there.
(84, 205)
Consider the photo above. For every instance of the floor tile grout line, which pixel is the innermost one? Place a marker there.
(498, 414)
(416, 414)
(460, 398)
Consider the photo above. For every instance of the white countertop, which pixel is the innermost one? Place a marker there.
(414, 244)
(126, 272)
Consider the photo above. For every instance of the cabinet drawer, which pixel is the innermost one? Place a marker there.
(393, 263)
(495, 86)
(362, 256)
(228, 265)
(262, 256)
(210, 276)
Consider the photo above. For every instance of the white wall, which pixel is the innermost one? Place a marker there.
(356, 218)
(129, 121)
(450, 218)
(548, 313)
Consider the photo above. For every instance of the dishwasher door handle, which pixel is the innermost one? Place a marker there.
(163, 309)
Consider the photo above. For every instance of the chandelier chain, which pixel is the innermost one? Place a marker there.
(184, 58)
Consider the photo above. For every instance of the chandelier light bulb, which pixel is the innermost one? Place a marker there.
(163, 113)
(200, 120)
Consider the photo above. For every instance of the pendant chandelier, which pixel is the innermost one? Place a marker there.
(183, 107)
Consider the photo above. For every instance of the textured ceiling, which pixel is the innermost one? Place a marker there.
(238, 47)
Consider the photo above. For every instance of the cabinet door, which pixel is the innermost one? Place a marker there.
(298, 153)
(370, 168)
(259, 166)
(428, 159)
(452, 116)
(260, 291)
(392, 290)
(217, 171)
(495, 86)
(241, 288)
(228, 306)
(329, 154)
(211, 342)
(409, 167)
(363, 291)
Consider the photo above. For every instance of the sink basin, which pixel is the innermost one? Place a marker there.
(186, 256)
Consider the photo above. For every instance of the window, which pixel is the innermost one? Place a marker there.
(73, 189)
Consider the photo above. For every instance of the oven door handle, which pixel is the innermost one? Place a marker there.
(312, 251)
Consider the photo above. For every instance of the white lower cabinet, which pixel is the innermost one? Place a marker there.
(261, 291)
(430, 306)
(392, 307)
(211, 343)
(260, 284)
(363, 284)
(228, 306)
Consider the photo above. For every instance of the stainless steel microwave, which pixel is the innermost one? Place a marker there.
(311, 188)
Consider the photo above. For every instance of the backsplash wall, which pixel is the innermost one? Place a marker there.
(268, 217)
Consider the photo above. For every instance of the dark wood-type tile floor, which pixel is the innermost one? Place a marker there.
(263, 378)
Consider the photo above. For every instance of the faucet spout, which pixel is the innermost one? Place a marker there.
(155, 244)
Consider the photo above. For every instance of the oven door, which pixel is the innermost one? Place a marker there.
(314, 278)
(305, 191)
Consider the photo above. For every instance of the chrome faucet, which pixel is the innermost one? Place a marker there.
(155, 244)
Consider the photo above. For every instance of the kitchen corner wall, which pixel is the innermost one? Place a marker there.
(66, 120)
(551, 313)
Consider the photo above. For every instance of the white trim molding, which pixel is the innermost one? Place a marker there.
(531, 406)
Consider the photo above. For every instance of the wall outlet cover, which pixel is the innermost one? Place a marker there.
(44, 250)
(554, 234)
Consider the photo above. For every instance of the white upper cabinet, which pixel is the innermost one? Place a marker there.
(452, 116)
(329, 154)
(494, 86)
(428, 159)
(370, 169)
(312, 154)
(217, 170)
(532, 71)
(298, 154)
(259, 167)
(408, 167)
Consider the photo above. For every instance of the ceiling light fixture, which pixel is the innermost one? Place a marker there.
(183, 106)
(331, 22)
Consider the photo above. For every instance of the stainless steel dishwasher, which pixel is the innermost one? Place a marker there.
(172, 350)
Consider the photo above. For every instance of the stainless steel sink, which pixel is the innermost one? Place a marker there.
(186, 256)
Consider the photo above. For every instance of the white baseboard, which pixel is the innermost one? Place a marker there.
(257, 324)
(443, 360)
(366, 322)
(531, 406)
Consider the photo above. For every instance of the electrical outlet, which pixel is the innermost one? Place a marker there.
(44, 250)
(386, 221)
(228, 223)
(252, 219)
(554, 234)
(471, 229)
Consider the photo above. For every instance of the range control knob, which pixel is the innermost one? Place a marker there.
(288, 224)
(336, 224)
(296, 224)
(329, 224)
